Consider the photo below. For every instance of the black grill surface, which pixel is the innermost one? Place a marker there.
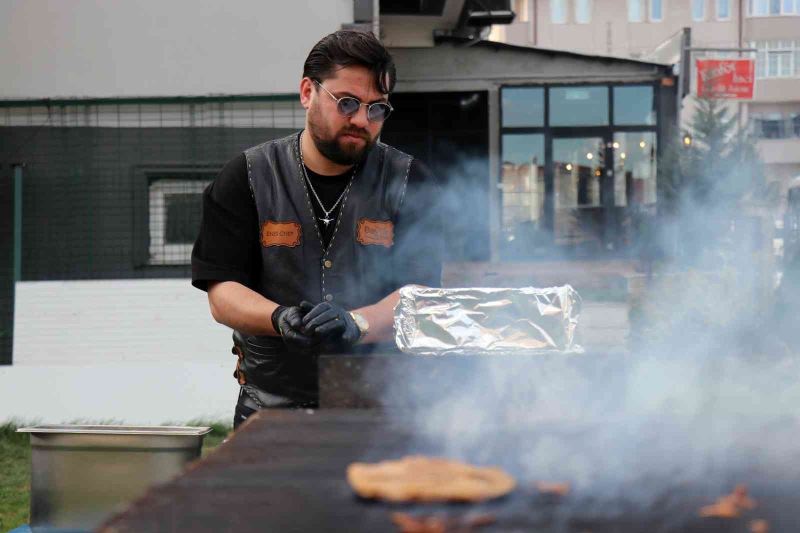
(284, 471)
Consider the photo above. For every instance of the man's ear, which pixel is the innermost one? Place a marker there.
(306, 90)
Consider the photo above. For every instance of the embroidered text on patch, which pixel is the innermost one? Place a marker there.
(378, 232)
(280, 234)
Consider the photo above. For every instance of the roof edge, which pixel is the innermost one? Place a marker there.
(552, 51)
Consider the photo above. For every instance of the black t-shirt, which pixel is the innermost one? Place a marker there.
(330, 190)
(228, 247)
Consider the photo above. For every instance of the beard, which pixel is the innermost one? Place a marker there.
(332, 146)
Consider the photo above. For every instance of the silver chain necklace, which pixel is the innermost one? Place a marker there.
(327, 218)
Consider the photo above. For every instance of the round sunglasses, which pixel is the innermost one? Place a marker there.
(349, 106)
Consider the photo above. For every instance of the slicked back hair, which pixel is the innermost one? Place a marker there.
(346, 48)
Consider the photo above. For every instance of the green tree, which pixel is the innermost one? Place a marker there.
(712, 274)
(721, 163)
(709, 181)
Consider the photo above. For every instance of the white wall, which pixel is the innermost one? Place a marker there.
(97, 48)
(115, 321)
(139, 351)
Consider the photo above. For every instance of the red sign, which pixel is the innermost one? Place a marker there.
(725, 78)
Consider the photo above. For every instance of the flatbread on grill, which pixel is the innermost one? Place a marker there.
(428, 479)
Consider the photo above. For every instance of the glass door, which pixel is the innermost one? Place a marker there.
(581, 194)
(522, 185)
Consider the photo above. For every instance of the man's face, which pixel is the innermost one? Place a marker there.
(343, 140)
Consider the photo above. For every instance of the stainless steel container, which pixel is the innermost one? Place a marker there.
(80, 474)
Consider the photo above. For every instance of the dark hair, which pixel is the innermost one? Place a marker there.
(345, 48)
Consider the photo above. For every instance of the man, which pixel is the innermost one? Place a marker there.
(306, 240)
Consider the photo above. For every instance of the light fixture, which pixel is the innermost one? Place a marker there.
(569, 166)
(622, 155)
(642, 144)
(589, 155)
(615, 145)
(597, 172)
(687, 140)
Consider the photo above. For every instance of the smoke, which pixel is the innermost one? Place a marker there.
(704, 398)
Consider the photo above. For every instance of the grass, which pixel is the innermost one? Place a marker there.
(15, 487)
(15, 464)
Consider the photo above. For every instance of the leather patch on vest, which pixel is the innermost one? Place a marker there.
(280, 234)
(379, 232)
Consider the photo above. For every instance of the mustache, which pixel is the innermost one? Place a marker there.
(358, 133)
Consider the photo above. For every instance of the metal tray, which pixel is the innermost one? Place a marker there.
(82, 473)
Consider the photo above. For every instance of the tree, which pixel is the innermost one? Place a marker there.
(710, 294)
(708, 182)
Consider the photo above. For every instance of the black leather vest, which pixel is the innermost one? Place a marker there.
(356, 269)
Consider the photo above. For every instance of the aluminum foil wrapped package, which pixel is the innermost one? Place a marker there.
(486, 320)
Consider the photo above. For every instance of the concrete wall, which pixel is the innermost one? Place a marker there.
(610, 32)
(770, 90)
(77, 48)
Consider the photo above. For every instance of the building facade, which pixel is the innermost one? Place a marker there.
(648, 29)
(105, 151)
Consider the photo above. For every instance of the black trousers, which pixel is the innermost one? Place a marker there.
(243, 409)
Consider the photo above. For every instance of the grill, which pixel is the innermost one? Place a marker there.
(285, 470)
(387, 378)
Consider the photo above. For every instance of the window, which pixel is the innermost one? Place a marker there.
(656, 10)
(175, 207)
(578, 167)
(637, 8)
(558, 11)
(776, 125)
(634, 106)
(556, 181)
(523, 194)
(522, 106)
(579, 106)
(770, 126)
(583, 11)
(635, 168)
(698, 9)
(773, 8)
(635, 11)
(723, 9)
(777, 59)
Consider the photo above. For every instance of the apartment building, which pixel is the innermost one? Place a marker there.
(647, 29)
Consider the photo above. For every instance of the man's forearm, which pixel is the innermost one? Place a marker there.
(381, 318)
(245, 310)
(241, 308)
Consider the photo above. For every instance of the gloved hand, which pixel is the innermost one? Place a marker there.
(331, 325)
(288, 321)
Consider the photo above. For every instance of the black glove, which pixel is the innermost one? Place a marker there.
(288, 322)
(332, 326)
